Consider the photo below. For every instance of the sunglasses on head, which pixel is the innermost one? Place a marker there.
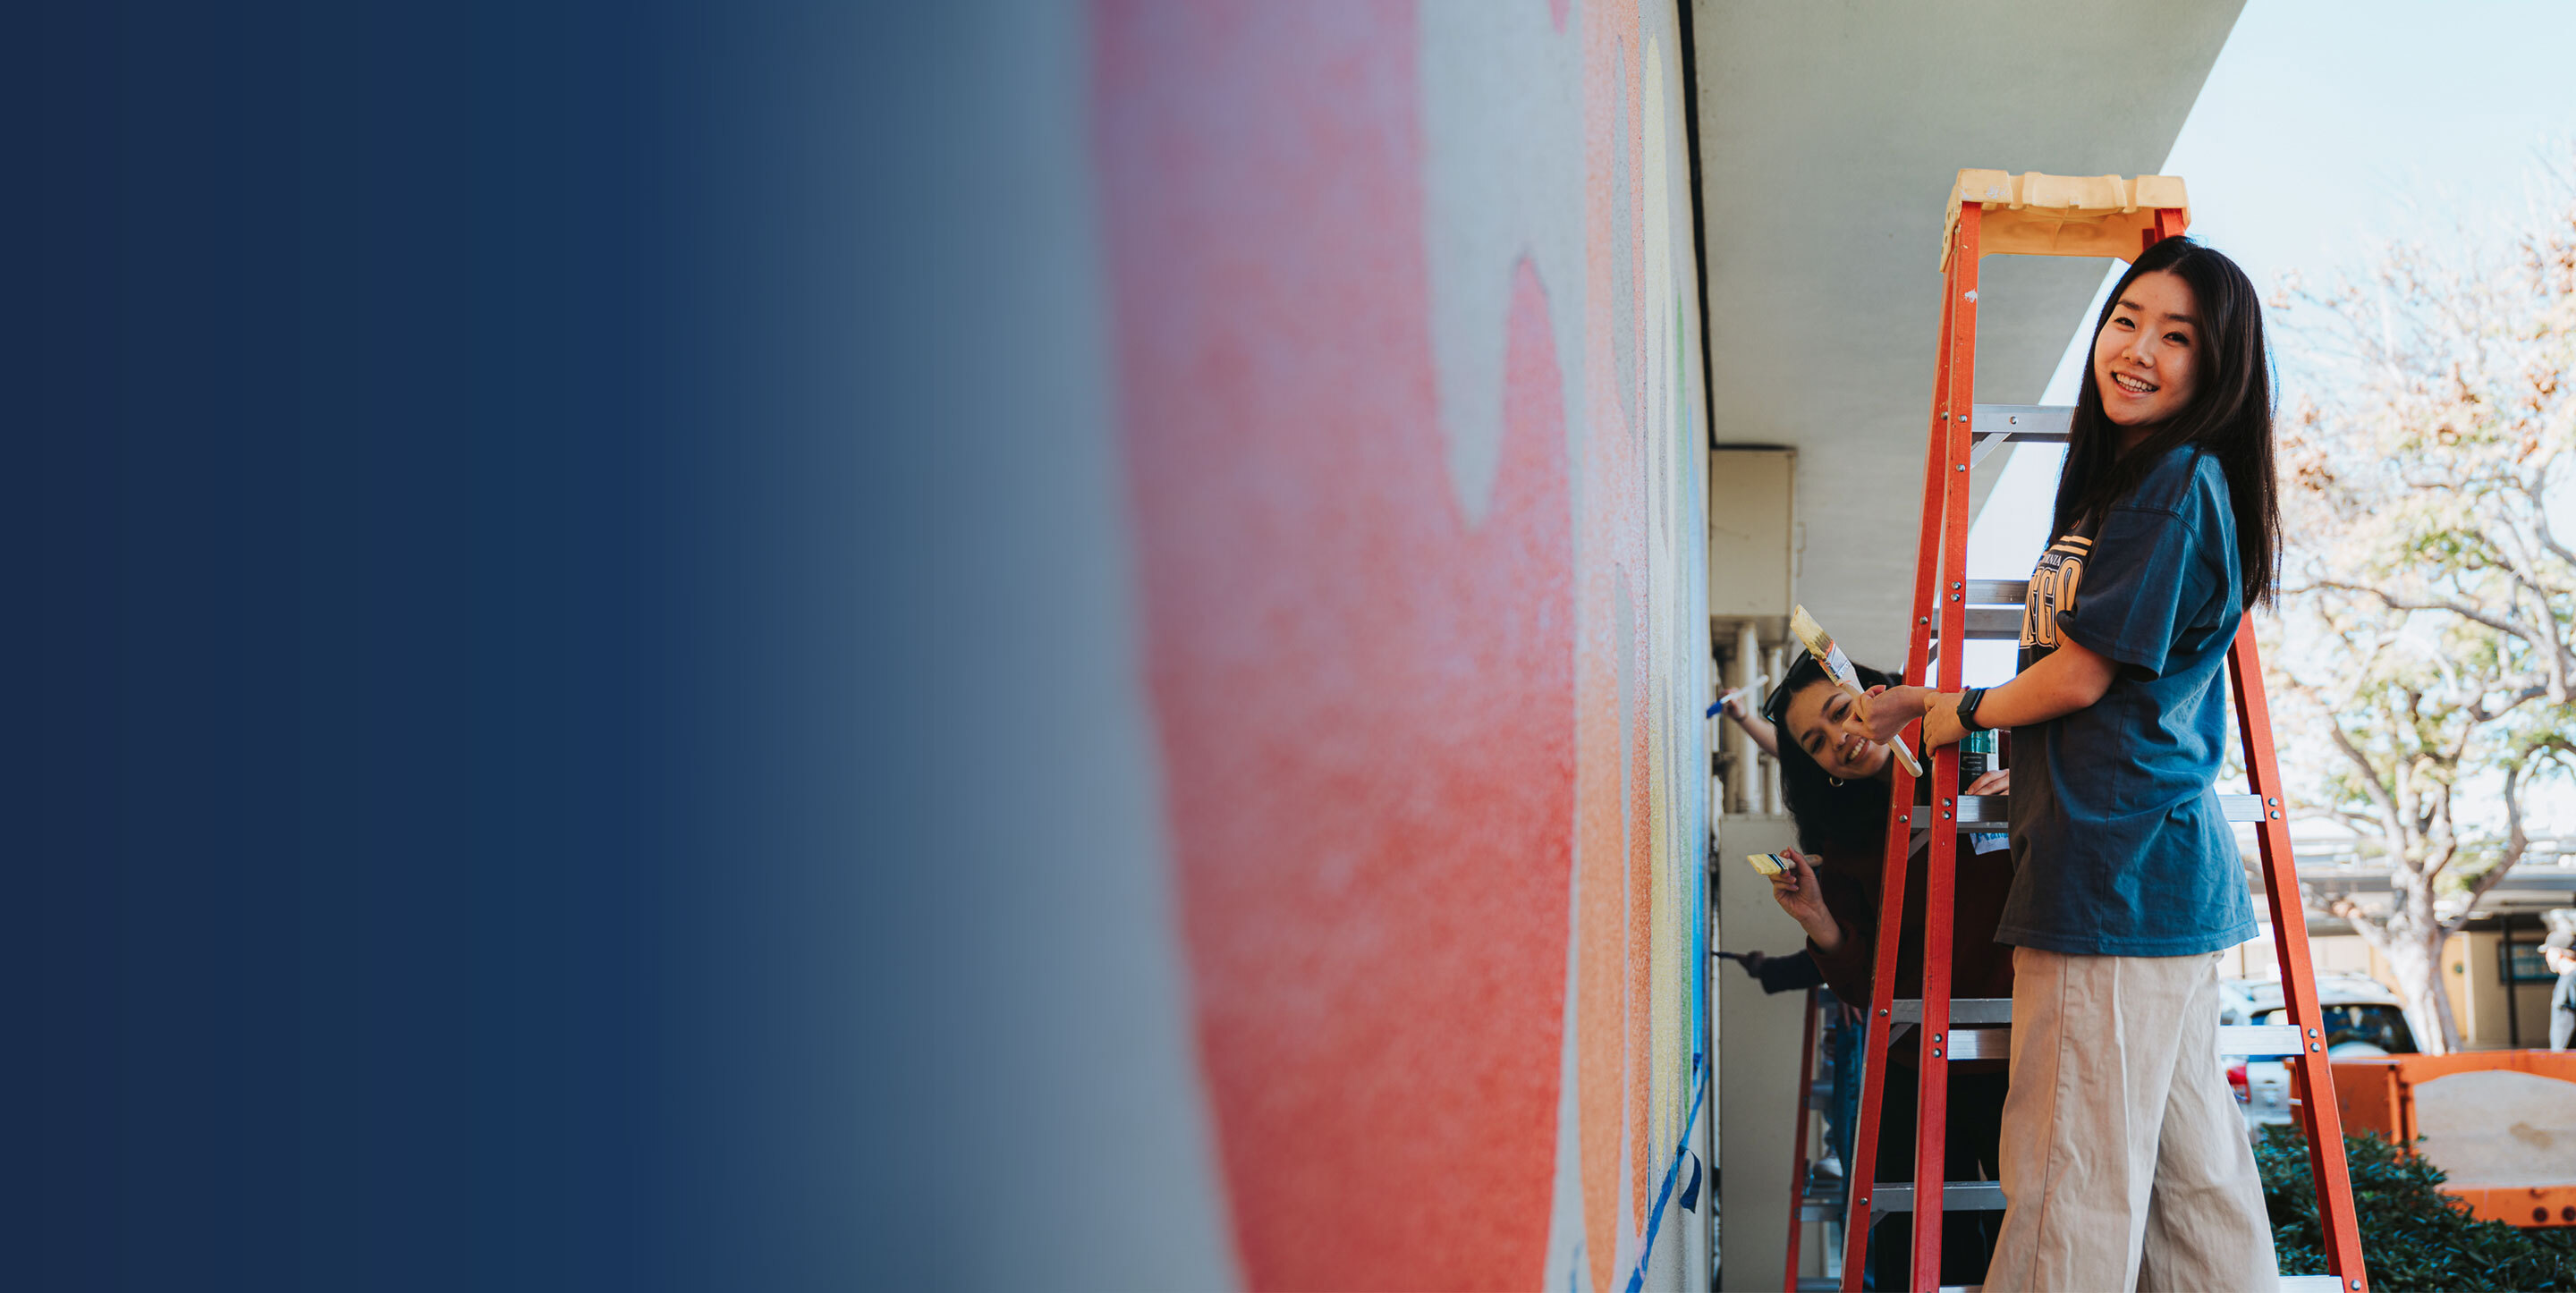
(1775, 707)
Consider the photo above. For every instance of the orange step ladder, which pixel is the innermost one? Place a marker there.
(1993, 213)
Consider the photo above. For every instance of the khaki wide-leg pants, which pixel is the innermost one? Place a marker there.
(2124, 1159)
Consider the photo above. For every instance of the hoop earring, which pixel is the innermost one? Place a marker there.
(1834, 779)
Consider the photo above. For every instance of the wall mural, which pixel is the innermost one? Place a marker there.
(1407, 352)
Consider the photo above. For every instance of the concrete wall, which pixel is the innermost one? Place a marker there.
(1397, 325)
(1757, 1085)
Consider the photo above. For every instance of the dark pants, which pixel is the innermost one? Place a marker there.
(1842, 1042)
(1975, 1125)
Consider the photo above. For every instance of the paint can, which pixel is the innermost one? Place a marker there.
(1976, 755)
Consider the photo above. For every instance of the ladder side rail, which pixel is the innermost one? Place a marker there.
(2320, 1116)
(1941, 858)
(2168, 222)
(1932, 1089)
(1860, 1174)
(1798, 1145)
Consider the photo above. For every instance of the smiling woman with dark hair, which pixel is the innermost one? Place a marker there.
(2124, 1159)
(1836, 779)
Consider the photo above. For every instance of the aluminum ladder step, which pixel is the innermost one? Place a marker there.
(1999, 424)
(1963, 1010)
(1956, 1196)
(1996, 810)
(2289, 1284)
(2256, 1041)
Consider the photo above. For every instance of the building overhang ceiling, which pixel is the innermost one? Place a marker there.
(1829, 136)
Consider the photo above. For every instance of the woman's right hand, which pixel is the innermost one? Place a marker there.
(1799, 895)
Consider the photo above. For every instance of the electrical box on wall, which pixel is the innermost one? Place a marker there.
(1752, 532)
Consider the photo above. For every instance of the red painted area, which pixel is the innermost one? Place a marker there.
(1366, 708)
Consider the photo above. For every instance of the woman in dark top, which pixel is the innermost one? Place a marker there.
(1836, 783)
(2125, 1161)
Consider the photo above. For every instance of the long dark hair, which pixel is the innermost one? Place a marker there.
(1846, 818)
(2229, 417)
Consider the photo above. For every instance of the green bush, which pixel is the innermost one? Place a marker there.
(2413, 1236)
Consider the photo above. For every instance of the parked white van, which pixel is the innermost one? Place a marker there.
(2362, 1018)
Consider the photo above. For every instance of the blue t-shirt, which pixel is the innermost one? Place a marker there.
(2119, 847)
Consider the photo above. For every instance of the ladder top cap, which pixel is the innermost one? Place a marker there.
(2033, 214)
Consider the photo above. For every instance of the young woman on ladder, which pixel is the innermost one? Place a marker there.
(2124, 1160)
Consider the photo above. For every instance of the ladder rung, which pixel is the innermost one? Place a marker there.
(1979, 1044)
(1985, 624)
(2260, 1041)
(1990, 623)
(1819, 1284)
(2289, 1284)
(1996, 810)
(2243, 808)
(1956, 1196)
(1999, 424)
(1963, 1010)
(1998, 592)
(2023, 423)
(1987, 810)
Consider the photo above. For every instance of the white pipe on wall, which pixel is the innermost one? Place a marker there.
(1747, 795)
(1772, 800)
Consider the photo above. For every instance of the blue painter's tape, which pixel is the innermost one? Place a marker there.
(1655, 1222)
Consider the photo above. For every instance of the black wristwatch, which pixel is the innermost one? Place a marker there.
(1967, 711)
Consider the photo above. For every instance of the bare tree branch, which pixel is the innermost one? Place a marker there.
(2451, 604)
(2516, 842)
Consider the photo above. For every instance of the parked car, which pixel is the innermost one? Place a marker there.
(2362, 1018)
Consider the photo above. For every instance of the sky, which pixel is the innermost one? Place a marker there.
(2323, 130)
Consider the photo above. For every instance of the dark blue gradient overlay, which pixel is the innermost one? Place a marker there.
(471, 634)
